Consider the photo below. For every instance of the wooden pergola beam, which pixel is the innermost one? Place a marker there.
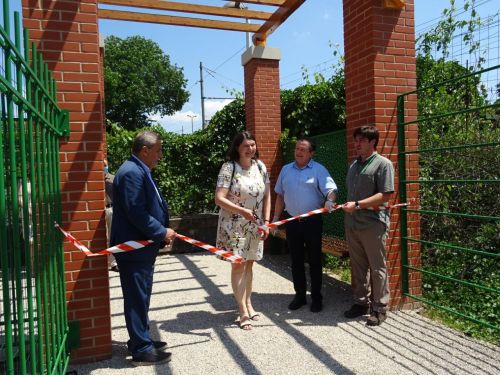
(191, 8)
(278, 17)
(174, 20)
(394, 4)
(264, 2)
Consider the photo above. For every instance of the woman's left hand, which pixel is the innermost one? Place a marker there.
(264, 234)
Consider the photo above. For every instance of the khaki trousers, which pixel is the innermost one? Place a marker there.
(368, 266)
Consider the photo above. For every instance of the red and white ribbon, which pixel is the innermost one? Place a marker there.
(226, 255)
(321, 211)
(134, 245)
(307, 214)
(121, 248)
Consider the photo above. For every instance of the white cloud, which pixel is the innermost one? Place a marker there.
(212, 106)
(180, 122)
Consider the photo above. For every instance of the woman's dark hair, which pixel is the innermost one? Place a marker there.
(368, 132)
(238, 139)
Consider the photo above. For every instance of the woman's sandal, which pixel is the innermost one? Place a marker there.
(245, 323)
(255, 317)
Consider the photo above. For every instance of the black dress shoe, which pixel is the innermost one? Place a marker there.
(297, 303)
(153, 357)
(160, 345)
(316, 306)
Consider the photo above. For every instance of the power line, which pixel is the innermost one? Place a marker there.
(229, 58)
(438, 18)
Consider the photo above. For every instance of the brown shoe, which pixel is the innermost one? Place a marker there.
(376, 318)
(356, 311)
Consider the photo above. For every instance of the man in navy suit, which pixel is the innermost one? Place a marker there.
(140, 213)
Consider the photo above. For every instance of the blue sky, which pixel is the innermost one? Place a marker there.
(305, 40)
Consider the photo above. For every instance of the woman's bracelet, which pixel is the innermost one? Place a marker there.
(266, 220)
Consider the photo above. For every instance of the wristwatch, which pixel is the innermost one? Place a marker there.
(356, 205)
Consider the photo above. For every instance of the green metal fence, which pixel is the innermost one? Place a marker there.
(33, 316)
(331, 151)
(458, 153)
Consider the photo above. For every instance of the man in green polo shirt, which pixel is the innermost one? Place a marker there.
(370, 184)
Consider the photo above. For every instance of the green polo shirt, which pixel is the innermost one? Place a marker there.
(364, 179)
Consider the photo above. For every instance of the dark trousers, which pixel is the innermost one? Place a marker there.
(304, 237)
(137, 283)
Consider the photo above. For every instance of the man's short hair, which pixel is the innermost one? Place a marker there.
(145, 138)
(369, 132)
(312, 144)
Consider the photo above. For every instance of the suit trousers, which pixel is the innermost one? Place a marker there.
(108, 216)
(368, 266)
(304, 237)
(137, 284)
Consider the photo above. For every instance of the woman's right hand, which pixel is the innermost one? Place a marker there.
(247, 214)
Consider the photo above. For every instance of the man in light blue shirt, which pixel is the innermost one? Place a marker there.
(302, 186)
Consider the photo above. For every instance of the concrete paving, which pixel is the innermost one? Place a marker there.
(192, 308)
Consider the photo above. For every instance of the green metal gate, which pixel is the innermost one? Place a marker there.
(458, 154)
(33, 316)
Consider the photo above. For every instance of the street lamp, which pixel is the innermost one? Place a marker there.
(237, 5)
(192, 117)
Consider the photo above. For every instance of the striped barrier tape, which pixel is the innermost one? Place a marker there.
(134, 245)
(301, 216)
(121, 248)
(321, 211)
(226, 255)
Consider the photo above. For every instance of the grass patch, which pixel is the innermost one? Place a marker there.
(467, 327)
(339, 266)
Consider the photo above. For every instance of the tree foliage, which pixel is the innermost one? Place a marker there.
(140, 81)
(316, 107)
(188, 172)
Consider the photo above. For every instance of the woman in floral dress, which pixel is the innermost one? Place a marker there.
(243, 194)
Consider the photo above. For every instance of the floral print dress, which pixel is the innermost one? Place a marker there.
(234, 232)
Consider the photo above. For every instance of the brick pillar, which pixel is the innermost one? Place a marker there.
(380, 64)
(262, 104)
(66, 33)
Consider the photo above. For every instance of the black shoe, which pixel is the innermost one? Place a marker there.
(160, 345)
(376, 318)
(356, 310)
(297, 303)
(151, 358)
(316, 306)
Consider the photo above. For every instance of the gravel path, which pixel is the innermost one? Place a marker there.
(193, 309)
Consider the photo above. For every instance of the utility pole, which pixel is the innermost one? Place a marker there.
(202, 98)
(192, 117)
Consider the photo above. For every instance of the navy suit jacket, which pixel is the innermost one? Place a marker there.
(138, 212)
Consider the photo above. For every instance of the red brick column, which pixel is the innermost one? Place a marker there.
(380, 64)
(262, 104)
(66, 33)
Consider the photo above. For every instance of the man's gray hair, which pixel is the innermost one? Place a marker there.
(146, 138)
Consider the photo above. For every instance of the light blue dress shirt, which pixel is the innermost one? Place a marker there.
(304, 189)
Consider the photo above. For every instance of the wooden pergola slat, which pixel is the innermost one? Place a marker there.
(178, 21)
(272, 20)
(191, 8)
